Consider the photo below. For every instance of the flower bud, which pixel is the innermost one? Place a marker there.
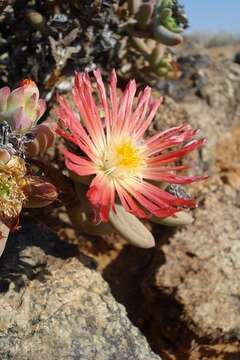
(39, 192)
(22, 107)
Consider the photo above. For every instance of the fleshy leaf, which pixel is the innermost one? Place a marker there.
(132, 229)
(181, 218)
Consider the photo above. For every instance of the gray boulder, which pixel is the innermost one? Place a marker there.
(56, 308)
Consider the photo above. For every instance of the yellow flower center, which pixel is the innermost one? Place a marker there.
(127, 156)
(123, 158)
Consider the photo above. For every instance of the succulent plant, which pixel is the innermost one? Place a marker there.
(162, 20)
(169, 22)
(47, 38)
(119, 175)
(93, 37)
(20, 110)
(120, 221)
(20, 189)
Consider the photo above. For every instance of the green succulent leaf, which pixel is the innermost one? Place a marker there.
(165, 14)
(165, 36)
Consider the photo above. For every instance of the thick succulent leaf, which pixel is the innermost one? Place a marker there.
(180, 219)
(132, 229)
(165, 36)
(134, 5)
(144, 15)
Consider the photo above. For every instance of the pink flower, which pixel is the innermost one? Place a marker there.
(124, 163)
(22, 107)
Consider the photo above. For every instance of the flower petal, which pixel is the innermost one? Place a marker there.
(78, 164)
(101, 195)
(82, 94)
(177, 154)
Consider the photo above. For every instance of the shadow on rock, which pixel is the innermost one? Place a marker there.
(127, 275)
(29, 251)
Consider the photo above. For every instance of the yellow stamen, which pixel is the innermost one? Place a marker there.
(128, 156)
(123, 158)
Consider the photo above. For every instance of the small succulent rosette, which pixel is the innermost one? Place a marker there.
(161, 20)
(22, 107)
(20, 111)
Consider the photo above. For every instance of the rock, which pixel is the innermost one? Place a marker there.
(52, 306)
(228, 159)
(194, 61)
(237, 58)
(192, 291)
(170, 114)
(215, 110)
(201, 271)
